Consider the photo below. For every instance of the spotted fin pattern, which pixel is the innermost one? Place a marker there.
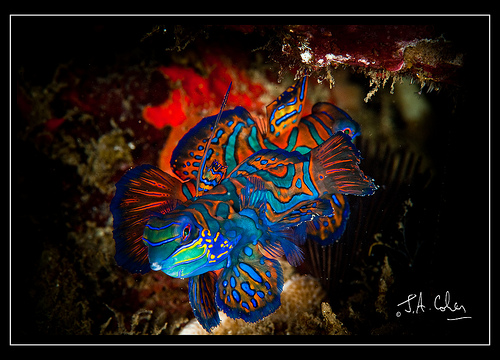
(250, 289)
(212, 176)
(235, 138)
(205, 176)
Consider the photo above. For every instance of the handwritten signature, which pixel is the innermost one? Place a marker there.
(440, 304)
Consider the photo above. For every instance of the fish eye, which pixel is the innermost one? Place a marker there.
(186, 232)
(347, 131)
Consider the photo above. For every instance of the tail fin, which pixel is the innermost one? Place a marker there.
(335, 168)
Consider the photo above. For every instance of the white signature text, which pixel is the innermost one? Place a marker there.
(441, 303)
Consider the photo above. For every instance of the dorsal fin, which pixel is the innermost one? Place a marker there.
(284, 112)
(201, 171)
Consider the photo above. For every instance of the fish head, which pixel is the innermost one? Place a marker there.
(177, 245)
(349, 127)
(343, 122)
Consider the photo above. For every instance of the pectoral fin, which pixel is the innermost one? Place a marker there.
(202, 299)
(250, 288)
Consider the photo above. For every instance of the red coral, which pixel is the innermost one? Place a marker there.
(196, 93)
(194, 85)
(168, 113)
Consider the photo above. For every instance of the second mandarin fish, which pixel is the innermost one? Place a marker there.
(238, 135)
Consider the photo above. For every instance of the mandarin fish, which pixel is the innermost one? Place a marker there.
(238, 135)
(227, 238)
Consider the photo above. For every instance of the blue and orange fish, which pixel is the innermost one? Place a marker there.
(253, 191)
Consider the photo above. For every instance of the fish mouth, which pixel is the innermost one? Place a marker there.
(155, 266)
(169, 270)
